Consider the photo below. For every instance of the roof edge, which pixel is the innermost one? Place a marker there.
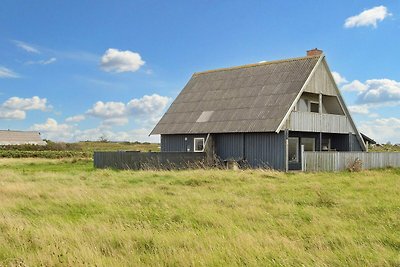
(254, 65)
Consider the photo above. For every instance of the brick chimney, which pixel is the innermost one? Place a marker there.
(314, 52)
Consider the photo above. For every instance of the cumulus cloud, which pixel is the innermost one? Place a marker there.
(108, 110)
(380, 91)
(339, 79)
(382, 129)
(354, 86)
(27, 47)
(15, 108)
(115, 60)
(6, 114)
(148, 104)
(373, 94)
(55, 131)
(369, 17)
(147, 109)
(7, 73)
(33, 103)
(77, 118)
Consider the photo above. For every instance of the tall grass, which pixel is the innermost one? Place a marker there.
(63, 212)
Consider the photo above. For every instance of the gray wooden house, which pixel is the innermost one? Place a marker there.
(262, 114)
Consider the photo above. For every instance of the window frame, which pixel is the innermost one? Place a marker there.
(194, 144)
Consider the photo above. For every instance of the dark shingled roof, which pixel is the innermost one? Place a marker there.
(249, 98)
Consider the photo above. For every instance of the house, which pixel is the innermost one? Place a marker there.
(262, 114)
(8, 137)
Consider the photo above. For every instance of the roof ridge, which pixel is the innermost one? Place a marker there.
(257, 64)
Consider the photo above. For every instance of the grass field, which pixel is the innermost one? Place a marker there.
(65, 213)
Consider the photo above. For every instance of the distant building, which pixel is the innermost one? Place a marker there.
(8, 138)
(261, 113)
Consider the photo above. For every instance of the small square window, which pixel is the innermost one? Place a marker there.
(198, 144)
(314, 107)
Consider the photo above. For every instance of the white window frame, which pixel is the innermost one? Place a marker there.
(194, 144)
(313, 102)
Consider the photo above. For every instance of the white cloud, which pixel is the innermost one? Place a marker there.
(51, 125)
(354, 86)
(6, 114)
(115, 60)
(55, 131)
(359, 109)
(42, 62)
(7, 73)
(339, 79)
(52, 130)
(107, 110)
(77, 118)
(15, 108)
(379, 91)
(369, 17)
(27, 47)
(33, 103)
(382, 130)
(148, 104)
(146, 110)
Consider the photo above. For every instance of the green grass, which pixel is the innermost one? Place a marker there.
(65, 213)
(384, 148)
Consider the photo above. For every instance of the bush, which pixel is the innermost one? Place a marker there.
(355, 166)
(44, 154)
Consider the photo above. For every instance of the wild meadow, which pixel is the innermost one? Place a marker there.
(66, 213)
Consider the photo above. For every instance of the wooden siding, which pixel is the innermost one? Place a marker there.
(179, 142)
(318, 122)
(339, 161)
(321, 82)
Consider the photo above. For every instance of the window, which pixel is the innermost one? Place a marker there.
(326, 144)
(198, 144)
(309, 143)
(293, 149)
(314, 107)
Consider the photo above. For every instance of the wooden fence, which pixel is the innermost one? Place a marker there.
(338, 161)
(134, 160)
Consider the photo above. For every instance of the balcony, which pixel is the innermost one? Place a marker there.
(318, 122)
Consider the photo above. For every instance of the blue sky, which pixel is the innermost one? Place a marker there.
(78, 70)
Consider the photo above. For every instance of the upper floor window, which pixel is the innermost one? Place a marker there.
(313, 107)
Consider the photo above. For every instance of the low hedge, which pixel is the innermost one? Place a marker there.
(44, 154)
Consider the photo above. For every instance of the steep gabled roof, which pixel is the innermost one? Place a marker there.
(249, 98)
(8, 137)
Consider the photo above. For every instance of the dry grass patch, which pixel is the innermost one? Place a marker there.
(68, 214)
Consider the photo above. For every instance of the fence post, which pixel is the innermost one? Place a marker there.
(303, 159)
